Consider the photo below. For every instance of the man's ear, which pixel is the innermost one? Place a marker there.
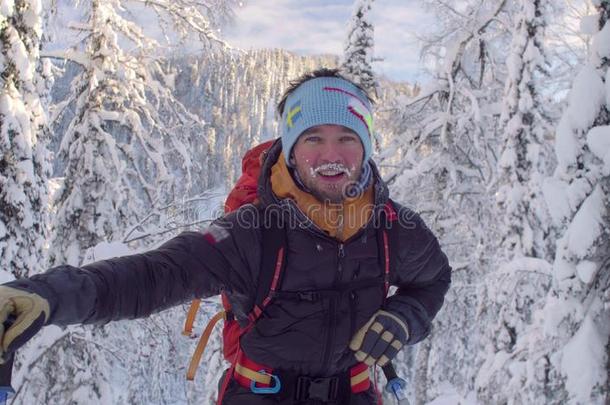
(291, 160)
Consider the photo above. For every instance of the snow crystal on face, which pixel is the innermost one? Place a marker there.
(589, 24)
(334, 167)
(598, 140)
(583, 361)
(587, 224)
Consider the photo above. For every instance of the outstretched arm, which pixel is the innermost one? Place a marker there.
(193, 264)
(135, 286)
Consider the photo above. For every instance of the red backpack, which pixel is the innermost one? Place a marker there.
(273, 263)
(243, 193)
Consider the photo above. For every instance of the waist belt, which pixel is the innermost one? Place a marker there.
(264, 380)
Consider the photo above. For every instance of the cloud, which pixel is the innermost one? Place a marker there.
(396, 25)
(308, 29)
(321, 26)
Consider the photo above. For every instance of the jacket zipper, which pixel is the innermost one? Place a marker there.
(341, 255)
(353, 303)
(330, 334)
(333, 309)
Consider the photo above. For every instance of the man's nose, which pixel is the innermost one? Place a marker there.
(330, 153)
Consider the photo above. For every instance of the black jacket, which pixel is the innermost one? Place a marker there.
(308, 336)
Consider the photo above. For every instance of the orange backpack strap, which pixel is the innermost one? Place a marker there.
(203, 341)
(190, 317)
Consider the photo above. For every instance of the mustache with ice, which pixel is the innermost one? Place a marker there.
(330, 169)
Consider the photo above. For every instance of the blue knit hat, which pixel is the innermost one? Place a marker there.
(327, 100)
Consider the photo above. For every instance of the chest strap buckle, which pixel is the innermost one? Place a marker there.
(322, 389)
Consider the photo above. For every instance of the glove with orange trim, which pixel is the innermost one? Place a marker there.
(380, 339)
(29, 313)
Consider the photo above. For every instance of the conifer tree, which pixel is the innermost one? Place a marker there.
(523, 157)
(577, 308)
(128, 146)
(24, 159)
(359, 47)
(94, 202)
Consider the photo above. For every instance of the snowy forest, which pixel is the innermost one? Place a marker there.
(116, 138)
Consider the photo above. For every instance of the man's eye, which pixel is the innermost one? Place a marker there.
(312, 139)
(348, 138)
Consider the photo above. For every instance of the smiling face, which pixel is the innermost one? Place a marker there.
(328, 158)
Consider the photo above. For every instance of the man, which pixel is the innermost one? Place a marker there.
(325, 316)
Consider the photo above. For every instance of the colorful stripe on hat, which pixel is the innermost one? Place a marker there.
(327, 101)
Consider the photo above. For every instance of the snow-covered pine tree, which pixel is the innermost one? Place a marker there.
(574, 322)
(24, 159)
(94, 202)
(359, 46)
(521, 277)
(130, 144)
(525, 124)
(126, 141)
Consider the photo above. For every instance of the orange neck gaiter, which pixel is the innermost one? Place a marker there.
(339, 220)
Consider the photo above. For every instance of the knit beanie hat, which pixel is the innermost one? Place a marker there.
(326, 100)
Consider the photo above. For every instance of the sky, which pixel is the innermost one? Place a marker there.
(305, 27)
(320, 27)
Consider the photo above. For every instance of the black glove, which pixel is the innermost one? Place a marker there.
(380, 339)
(27, 314)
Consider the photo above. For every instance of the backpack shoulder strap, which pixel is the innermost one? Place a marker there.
(388, 242)
(273, 263)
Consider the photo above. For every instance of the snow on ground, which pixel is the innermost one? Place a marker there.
(450, 396)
